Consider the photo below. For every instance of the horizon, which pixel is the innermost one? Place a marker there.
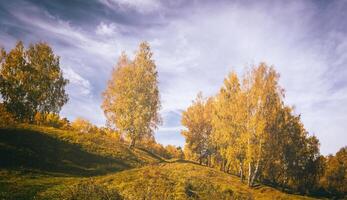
(195, 47)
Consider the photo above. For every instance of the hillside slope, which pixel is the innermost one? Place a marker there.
(179, 180)
(45, 163)
(186, 180)
(52, 150)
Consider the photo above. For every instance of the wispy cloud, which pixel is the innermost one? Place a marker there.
(84, 87)
(139, 5)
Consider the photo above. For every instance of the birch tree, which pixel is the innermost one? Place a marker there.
(263, 98)
(228, 124)
(131, 100)
(197, 120)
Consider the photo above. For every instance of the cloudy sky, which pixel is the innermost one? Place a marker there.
(195, 44)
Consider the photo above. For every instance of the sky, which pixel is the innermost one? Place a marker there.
(196, 43)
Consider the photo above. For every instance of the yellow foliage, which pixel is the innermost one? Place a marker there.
(174, 152)
(247, 128)
(334, 179)
(197, 120)
(83, 126)
(31, 81)
(131, 99)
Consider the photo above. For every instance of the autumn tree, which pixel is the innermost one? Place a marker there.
(262, 100)
(197, 120)
(334, 179)
(228, 125)
(31, 81)
(131, 100)
(293, 160)
(253, 134)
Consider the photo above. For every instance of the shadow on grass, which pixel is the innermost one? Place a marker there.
(25, 149)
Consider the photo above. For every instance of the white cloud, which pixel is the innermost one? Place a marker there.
(171, 129)
(81, 85)
(143, 6)
(104, 29)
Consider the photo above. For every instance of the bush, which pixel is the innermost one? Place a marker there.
(84, 126)
(175, 152)
(111, 133)
(152, 146)
(90, 190)
(51, 119)
(6, 118)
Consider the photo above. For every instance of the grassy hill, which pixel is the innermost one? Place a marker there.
(185, 180)
(71, 153)
(45, 163)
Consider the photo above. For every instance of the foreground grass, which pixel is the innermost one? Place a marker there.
(47, 163)
(35, 158)
(28, 185)
(178, 180)
(184, 180)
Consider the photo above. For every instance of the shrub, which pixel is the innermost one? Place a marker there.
(84, 126)
(51, 119)
(175, 152)
(111, 133)
(6, 118)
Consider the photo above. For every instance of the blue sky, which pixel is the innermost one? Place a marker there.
(195, 45)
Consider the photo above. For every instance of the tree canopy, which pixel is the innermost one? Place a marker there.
(247, 130)
(31, 81)
(131, 100)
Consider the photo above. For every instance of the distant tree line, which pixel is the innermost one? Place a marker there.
(247, 130)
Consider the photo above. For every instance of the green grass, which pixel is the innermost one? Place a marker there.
(45, 163)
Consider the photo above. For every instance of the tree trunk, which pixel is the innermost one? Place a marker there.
(228, 168)
(224, 165)
(255, 174)
(241, 172)
(132, 143)
(249, 174)
(209, 161)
